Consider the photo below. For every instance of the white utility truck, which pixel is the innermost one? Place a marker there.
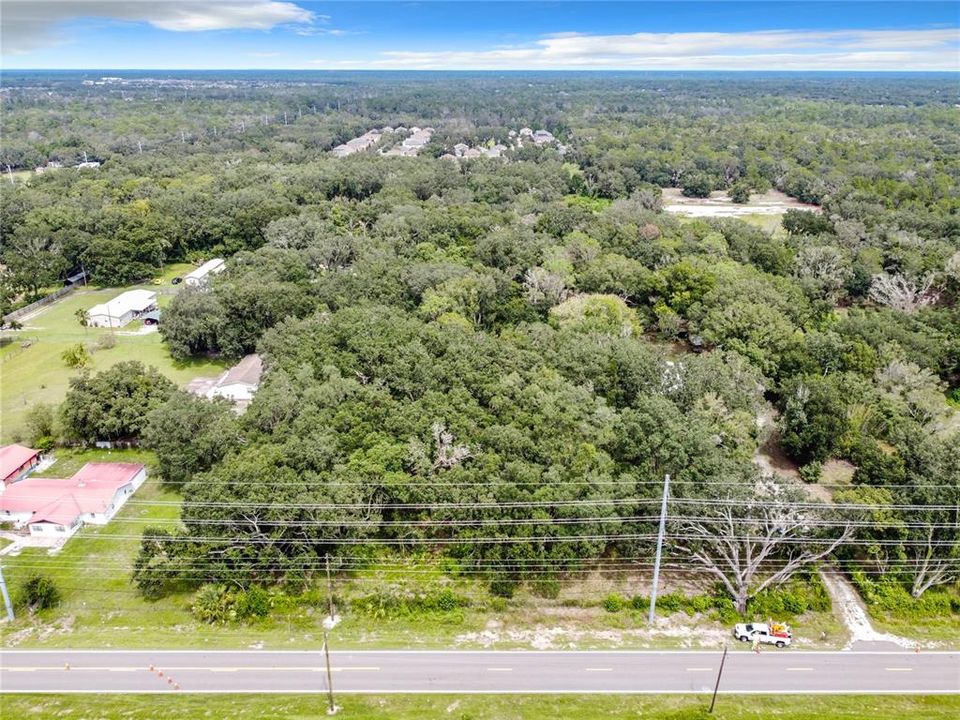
(770, 634)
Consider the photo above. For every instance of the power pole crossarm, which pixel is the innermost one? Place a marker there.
(656, 562)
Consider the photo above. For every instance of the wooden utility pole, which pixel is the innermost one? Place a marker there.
(716, 687)
(331, 706)
(330, 609)
(656, 562)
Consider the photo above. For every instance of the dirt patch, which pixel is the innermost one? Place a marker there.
(854, 615)
(837, 472)
(693, 631)
(41, 632)
(719, 204)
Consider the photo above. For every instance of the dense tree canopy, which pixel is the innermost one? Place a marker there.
(501, 358)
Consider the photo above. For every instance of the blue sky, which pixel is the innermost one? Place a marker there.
(717, 35)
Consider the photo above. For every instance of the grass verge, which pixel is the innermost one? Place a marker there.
(483, 707)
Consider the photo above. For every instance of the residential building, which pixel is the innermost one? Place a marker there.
(57, 508)
(16, 462)
(122, 309)
(240, 382)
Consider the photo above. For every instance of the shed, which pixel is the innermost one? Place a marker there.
(201, 274)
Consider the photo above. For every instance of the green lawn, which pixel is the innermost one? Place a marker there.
(37, 374)
(483, 707)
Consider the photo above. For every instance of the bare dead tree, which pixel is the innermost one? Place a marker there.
(900, 293)
(544, 287)
(447, 453)
(933, 566)
(756, 539)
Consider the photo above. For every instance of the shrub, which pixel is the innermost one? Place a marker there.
(251, 603)
(700, 603)
(671, 602)
(213, 604)
(640, 602)
(811, 472)
(76, 356)
(503, 587)
(547, 588)
(614, 603)
(40, 593)
(107, 342)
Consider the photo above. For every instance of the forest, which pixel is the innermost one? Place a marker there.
(496, 361)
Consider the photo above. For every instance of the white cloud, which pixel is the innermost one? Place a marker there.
(930, 49)
(29, 25)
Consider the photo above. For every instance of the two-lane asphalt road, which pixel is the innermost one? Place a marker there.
(402, 671)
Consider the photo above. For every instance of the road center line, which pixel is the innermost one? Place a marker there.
(599, 669)
(799, 669)
(699, 669)
(499, 669)
(899, 669)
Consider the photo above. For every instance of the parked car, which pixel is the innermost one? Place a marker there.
(777, 634)
(177, 280)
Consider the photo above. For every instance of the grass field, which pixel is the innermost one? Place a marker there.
(483, 707)
(37, 374)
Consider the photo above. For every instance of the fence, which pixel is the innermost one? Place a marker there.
(27, 309)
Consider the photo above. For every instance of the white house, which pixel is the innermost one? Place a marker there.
(122, 309)
(240, 382)
(58, 508)
(200, 275)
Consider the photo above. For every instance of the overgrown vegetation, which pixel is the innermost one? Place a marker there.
(499, 361)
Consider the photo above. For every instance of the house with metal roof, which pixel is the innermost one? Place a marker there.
(16, 462)
(57, 508)
(122, 309)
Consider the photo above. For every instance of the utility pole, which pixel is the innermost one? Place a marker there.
(329, 589)
(140, 146)
(656, 562)
(6, 596)
(331, 706)
(716, 687)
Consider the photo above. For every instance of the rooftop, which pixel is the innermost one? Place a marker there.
(135, 300)
(208, 267)
(245, 372)
(12, 457)
(54, 500)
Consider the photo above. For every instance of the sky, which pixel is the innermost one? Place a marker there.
(896, 35)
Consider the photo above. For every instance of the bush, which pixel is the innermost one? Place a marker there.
(40, 593)
(671, 602)
(640, 602)
(547, 588)
(213, 604)
(252, 603)
(614, 603)
(76, 356)
(503, 587)
(811, 472)
(107, 342)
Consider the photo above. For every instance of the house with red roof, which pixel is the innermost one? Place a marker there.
(58, 508)
(16, 462)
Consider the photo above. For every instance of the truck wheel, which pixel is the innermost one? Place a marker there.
(781, 643)
(743, 638)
